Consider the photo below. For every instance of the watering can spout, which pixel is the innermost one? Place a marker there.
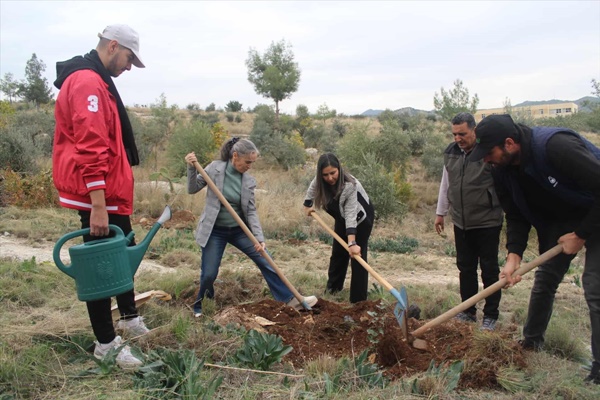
(136, 253)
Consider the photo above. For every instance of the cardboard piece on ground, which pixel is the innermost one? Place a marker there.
(141, 299)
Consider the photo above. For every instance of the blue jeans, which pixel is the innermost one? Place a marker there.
(212, 254)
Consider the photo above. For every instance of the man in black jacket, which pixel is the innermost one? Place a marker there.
(467, 188)
(548, 178)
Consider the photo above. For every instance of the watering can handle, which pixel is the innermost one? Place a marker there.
(71, 235)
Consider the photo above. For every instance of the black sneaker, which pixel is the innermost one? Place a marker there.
(528, 344)
(488, 324)
(594, 376)
(466, 317)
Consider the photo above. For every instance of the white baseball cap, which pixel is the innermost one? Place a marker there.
(126, 37)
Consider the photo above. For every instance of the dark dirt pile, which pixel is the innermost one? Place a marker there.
(346, 330)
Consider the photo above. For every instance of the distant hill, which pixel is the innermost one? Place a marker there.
(413, 111)
(581, 103)
(404, 111)
(371, 113)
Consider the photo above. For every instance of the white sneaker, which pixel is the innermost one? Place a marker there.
(132, 327)
(310, 300)
(125, 359)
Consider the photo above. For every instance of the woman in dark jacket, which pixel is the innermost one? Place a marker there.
(344, 198)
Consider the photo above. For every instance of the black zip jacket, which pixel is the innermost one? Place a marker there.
(526, 202)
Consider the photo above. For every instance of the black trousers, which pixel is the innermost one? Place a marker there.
(99, 310)
(338, 263)
(473, 247)
(549, 275)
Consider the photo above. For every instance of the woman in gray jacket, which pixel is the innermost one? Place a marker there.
(344, 198)
(217, 227)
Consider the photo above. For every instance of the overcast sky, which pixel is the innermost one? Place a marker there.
(353, 55)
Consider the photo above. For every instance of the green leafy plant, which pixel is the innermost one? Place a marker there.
(438, 379)
(175, 375)
(375, 332)
(166, 175)
(368, 372)
(450, 250)
(261, 350)
(377, 292)
(105, 365)
(325, 237)
(402, 244)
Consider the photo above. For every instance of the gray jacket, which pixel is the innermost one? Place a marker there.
(350, 208)
(216, 172)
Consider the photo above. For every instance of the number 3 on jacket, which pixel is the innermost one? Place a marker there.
(93, 106)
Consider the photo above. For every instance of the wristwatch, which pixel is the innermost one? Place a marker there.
(352, 243)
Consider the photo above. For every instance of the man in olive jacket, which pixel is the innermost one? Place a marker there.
(467, 188)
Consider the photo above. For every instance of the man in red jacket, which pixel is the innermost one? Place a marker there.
(93, 152)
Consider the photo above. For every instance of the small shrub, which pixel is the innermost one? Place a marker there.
(261, 350)
(233, 106)
(16, 153)
(28, 190)
(513, 380)
(238, 118)
(402, 244)
(230, 117)
(175, 374)
(277, 146)
(438, 380)
(380, 186)
(193, 107)
(193, 136)
(209, 119)
(368, 372)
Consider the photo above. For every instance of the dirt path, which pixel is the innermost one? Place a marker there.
(398, 269)
(21, 249)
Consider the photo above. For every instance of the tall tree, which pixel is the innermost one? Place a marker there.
(596, 88)
(35, 88)
(9, 86)
(162, 126)
(449, 103)
(274, 74)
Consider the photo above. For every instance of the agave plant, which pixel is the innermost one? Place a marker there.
(261, 350)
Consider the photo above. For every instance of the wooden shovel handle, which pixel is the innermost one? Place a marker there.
(249, 233)
(358, 258)
(488, 291)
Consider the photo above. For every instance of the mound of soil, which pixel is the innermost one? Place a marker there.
(347, 330)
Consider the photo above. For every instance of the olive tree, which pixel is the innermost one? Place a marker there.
(449, 103)
(274, 74)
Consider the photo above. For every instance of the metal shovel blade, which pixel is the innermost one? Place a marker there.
(401, 309)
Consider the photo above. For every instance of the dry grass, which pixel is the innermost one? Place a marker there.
(429, 274)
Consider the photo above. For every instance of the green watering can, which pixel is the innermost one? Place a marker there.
(105, 268)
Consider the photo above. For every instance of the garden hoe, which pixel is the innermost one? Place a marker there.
(247, 231)
(488, 291)
(400, 311)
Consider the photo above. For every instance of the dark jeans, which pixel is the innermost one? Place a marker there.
(338, 263)
(212, 254)
(549, 275)
(478, 246)
(99, 310)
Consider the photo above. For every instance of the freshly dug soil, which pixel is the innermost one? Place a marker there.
(347, 330)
